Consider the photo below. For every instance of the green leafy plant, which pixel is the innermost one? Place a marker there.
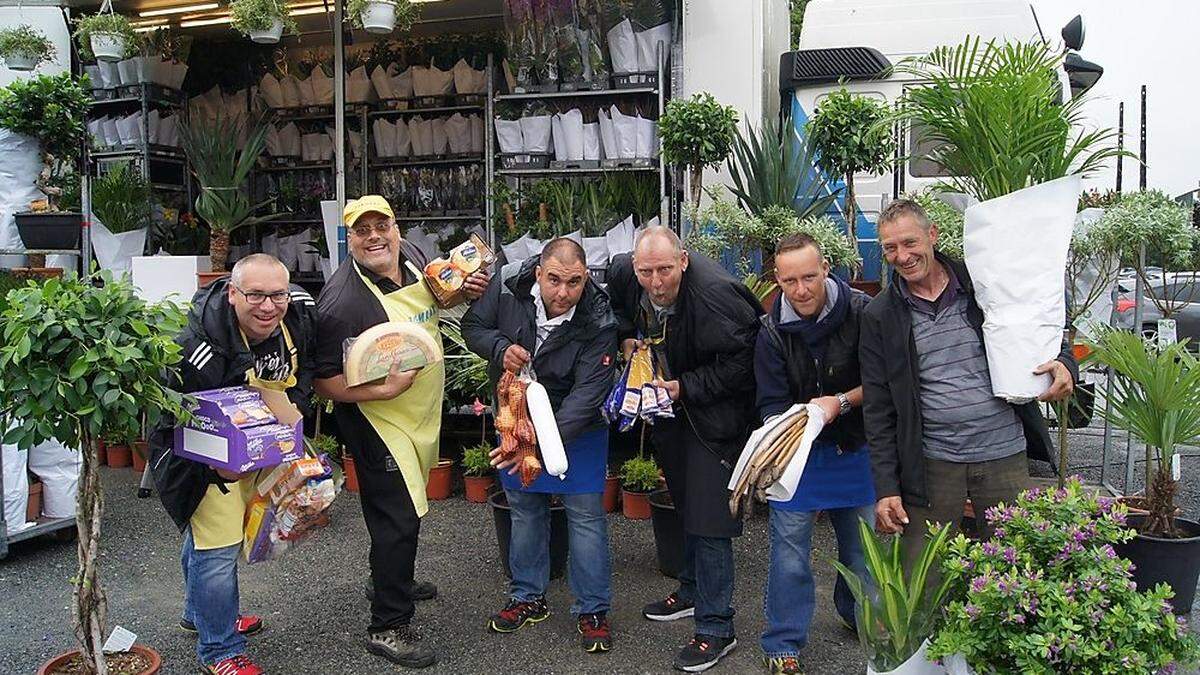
(1153, 224)
(796, 20)
(896, 609)
(1156, 397)
(222, 152)
(466, 371)
(407, 13)
(696, 133)
(52, 109)
(329, 446)
(121, 198)
(1049, 594)
(780, 222)
(260, 15)
(773, 166)
(83, 359)
(761, 287)
(27, 42)
(1093, 265)
(631, 193)
(996, 113)
(851, 135)
(476, 460)
(639, 474)
(104, 23)
(948, 220)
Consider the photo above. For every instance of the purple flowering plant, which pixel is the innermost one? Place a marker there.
(1049, 594)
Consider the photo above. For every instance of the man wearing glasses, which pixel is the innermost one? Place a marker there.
(252, 328)
(391, 426)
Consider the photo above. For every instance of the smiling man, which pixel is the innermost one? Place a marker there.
(251, 328)
(548, 315)
(937, 434)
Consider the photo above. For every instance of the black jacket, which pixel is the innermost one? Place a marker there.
(215, 356)
(787, 373)
(891, 392)
(709, 346)
(575, 362)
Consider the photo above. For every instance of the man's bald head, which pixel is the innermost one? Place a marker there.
(659, 261)
(658, 236)
(566, 251)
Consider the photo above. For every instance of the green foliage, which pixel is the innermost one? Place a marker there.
(52, 109)
(772, 166)
(949, 223)
(639, 474)
(104, 24)
(1155, 220)
(328, 445)
(222, 162)
(121, 199)
(1095, 199)
(851, 134)
(697, 132)
(84, 360)
(996, 111)
(476, 460)
(796, 19)
(1048, 594)
(896, 609)
(407, 13)
(836, 248)
(762, 287)
(466, 371)
(256, 15)
(25, 40)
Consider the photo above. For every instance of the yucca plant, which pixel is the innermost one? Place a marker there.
(761, 286)
(773, 166)
(997, 114)
(121, 199)
(222, 161)
(466, 371)
(1156, 397)
(896, 609)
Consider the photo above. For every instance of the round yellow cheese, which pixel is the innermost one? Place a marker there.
(372, 353)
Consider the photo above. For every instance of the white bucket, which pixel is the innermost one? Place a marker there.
(379, 17)
(108, 46)
(21, 61)
(269, 36)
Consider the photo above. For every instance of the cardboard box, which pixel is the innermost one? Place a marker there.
(445, 276)
(240, 429)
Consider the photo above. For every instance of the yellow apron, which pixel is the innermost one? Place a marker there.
(411, 423)
(218, 520)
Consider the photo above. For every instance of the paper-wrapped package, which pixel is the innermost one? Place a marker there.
(477, 134)
(403, 138)
(383, 134)
(274, 146)
(508, 135)
(467, 80)
(402, 83)
(440, 141)
(420, 131)
(268, 88)
(432, 81)
(382, 82)
(623, 48)
(649, 42)
(96, 131)
(536, 132)
(289, 88)
(129, 129)
(153, 119)
(110, 75)
(289, 139)
(458, 134)
(358, 86)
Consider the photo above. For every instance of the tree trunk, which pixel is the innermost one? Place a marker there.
(218, 250)
(1160, 501)
(851, 213)
(90, 606)
(697, 181)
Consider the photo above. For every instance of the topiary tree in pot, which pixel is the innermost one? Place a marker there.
(697, 132)
(84, 358)
(53, 110)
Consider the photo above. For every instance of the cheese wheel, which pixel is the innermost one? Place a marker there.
(554, 455)
(372, 353)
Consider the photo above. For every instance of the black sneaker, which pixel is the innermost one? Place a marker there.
(703, 652)
(420, 591)
(783, 665)
(401, 645)
(669, 609)
(516, 615)
(595, 634)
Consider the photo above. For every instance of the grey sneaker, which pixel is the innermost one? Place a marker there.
(401, 645)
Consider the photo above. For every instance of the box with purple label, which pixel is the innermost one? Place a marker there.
(241, 429)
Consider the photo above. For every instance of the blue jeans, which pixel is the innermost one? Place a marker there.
(791, 593)
(590, 566)
(707, 580)
(210, 599)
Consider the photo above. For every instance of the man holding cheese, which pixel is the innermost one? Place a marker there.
(391, 425)
(255, 329)
(547, 317)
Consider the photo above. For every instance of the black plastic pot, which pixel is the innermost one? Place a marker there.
(58, 231)
(1175, 562)
(668, 533)
(502, 515)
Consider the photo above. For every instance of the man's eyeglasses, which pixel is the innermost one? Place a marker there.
(256, 298)
(364, 231)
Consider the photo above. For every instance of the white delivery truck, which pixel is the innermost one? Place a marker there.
(856, 42)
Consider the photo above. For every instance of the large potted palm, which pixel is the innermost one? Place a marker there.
(1156, 398)
(121, 203)
(84, 358)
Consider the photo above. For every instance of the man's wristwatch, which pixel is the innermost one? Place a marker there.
(843, 403)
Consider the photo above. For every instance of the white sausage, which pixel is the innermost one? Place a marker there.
(554, 456)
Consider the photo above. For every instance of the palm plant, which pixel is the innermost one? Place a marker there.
(121, 199)
(772, 166)
(896, 609)
(222, 161)
(1155, 397)
(466, 371)
(997, 114)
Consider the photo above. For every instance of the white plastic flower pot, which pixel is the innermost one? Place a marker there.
(21, 61)
(108, 46)
(269, 36)
(917, 664)
(379, 17)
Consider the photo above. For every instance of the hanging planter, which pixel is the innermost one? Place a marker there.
(263, 21)
(382, 16)
(269, 36)
(106, 36)
(24, 47)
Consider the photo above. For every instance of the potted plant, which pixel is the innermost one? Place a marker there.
(52, 110)
(773, 166)
(121, 203)
(93, 372)
(851, 135)
(263, 21)
(1049, 594)
(331, 448)
(222, 153)
(438, 486)
(896, 610)
(382, 16)
(1156, 398)
(477, 472)
(639, 477)
(24, 47)
(118, 451)
(106, 36)
(696, 133)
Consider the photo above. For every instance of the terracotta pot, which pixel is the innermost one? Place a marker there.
(351, 472)
(52, 666)
(206, 278)
(871, 288)
(635, 505)
(1080, 351)
(141, 452)
(438, 486)
(38, 271)
(477, 487)
(101, 454)
(612, 493)
(33, 509)
(119, 456)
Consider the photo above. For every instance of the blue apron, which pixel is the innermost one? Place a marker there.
(587, 466)
(832, 480)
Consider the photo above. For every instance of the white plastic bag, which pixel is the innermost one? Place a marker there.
(16, 487)
(128, 129)
(382, 82)
(596, 250)
(384, 135)
(477, 134)
(560, 139)
(437, 128)
(625, 133)
(572, 126)
(128, 71)
(20, 165)
(420, 132)
(270, 244)
(1015, 248)
(424, 241)
(403, 139)
(535, 132)
(620, 238)
(648, 42)
(608, 136)
(623, 48)
(591, 142)
(458, 134)
(312, 147)
(647, 137)
(508, 135)
(918, 664)
(58, 468)
(110, 75)
(517, 251)
(115, 252)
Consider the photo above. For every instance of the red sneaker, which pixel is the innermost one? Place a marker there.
(247, 624)
(236, 665)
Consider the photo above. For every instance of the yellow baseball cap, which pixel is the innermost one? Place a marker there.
(356, 208)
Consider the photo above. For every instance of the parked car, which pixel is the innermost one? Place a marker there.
(1177, 292)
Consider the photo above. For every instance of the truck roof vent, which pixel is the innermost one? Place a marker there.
(816, 66)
